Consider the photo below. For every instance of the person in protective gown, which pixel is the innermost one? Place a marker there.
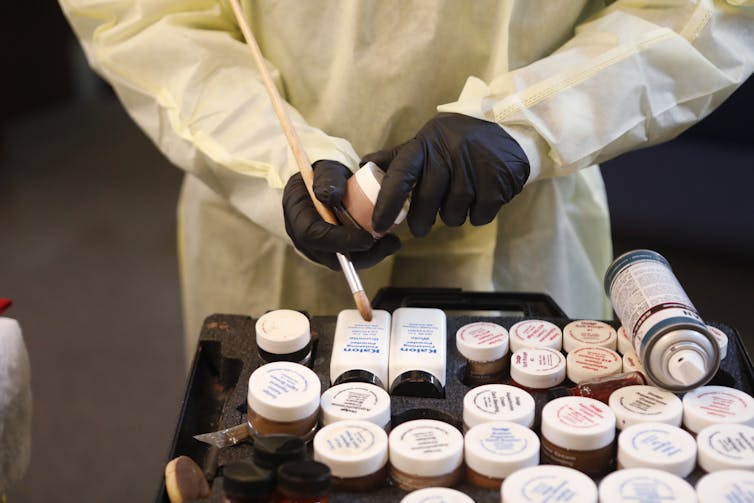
(492, 114)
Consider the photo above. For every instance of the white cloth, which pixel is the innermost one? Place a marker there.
(573, 81)
(15, 404)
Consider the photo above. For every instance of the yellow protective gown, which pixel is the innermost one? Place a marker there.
(574, 81)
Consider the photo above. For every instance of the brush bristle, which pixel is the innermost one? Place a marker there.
(363, 305)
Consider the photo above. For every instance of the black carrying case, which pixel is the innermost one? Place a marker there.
(227, 355)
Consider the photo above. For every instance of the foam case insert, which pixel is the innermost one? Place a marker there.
(227, 355)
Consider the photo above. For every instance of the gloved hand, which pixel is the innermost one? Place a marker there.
(317, 239)
(456, 165)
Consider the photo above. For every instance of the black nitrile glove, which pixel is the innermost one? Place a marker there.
(456, 165)
(317, 239)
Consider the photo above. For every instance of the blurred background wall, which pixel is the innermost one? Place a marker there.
(87, 251)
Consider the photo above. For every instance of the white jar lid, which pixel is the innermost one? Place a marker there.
(726, 447)
(726, 485)
(425, 448)
(585, 333)
(436, 495)
(500, 448)
(631, 363)
(535, 334)
(538, 368)
(645, 404)
(282, 331)
(722, 340)
(657, 445)
(548, 483)
(284, 391)
(635, 485)
(357, 401)
(482, 341)
(716, 405)
(578, 423)
(351, 448)
(624, 341)
(592, 362)
(498, 402)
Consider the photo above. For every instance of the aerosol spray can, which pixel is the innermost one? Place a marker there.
(673, 343)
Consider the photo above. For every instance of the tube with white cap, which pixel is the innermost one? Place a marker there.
(675, 346)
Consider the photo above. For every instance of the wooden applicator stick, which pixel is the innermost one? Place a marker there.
(304, 166)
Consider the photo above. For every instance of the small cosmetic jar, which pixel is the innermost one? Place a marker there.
(425, 453)
(485, 347)
(548, 483)
(284, 335)
(716, 405)
(356, 452)
(538, 368)
(645, 404)
(436, 495)
(497, 402)
(635, 485)
(726, 485)
(593, 362)
(535, 334)
(579, 432)
(659, 446)
(359, 401)
(493, 451)
(283, 397)
(726, 447)
(589, 333)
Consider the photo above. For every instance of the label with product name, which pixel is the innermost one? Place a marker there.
(657, 442)
(718, 404)
(548, 488)
(733, 445)
(583, 415)
(596, 359)
(364, 338)
(502, 441)
(418, 337)
(283, 382)
(537, 361)
(349, 440)
(647, 402)
(427, 439)
(355, 400)
(593, 333)
(539, 332)
(645, 489)
(482, 334)
(492, 402)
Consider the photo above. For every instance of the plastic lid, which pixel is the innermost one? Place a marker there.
(358, 401)
(657, 445)
(284, 391)
(548, 483)
(500, 448)
(722, 340)
(271, 451)
(592, 362)
(351, 448)
(282, 331)
(716, 405)
(304, 478)
(645, 404)
(246, 478)
(535, 334)
(417, 383)
(624, 341)
(687, 367)
(631, 363)
(436, 495)
(425, 448)
(498, 402)
(482, 341)
(725, 447)
(578, 423)
(538, 368)
(586, 333)
(726, 485)
(636, 485)
(369, 177)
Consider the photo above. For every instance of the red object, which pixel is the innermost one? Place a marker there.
(5, 304)
(600, 389)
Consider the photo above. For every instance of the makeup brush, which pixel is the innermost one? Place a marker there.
(304, 166)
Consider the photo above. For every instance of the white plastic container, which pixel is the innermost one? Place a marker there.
(283, 397)
(356, 453)
(638, 485)
(538, 368)
(726, 447)
(493, 451)
(418, 352)
(592, 362)
(535, 334)
(360, 348)
(284, 335)
(659, 446)
(436, 495)
(589, 333)
(355, 401)
(578, 432)
(624, 341)
(722, 340)
(729, 486)
(709, 405)
(485, 346)
(645, 404)
(425, 453)
(498, 402)
(548, 483)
